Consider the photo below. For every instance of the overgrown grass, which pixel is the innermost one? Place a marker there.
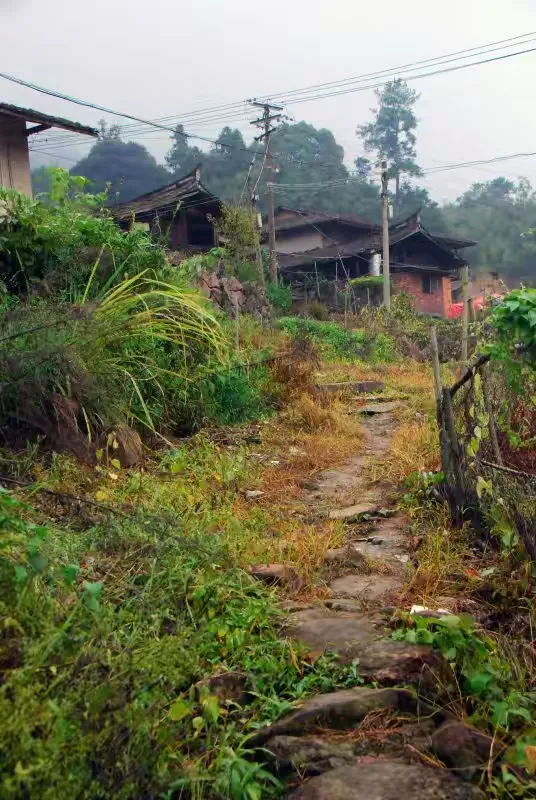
(108, 634)
(337, 343)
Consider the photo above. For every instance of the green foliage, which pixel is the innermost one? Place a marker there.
(485, 675)
(52, 243)
(499, 215)
(318, 310)
(127, 169)
(106, 637)
(279, 295)
(238, 228)
(403, 324)
(514, 319)
(226, 397)
(391, 133)
(338, 343)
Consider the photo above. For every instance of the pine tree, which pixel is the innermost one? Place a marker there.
(391, 134)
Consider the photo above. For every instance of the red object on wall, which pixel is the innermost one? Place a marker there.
(456, 309)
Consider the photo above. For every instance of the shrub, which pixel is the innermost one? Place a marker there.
(318, 311)
(279, 295)
(69, 370)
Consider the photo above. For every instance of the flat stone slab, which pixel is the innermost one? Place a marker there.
(381, 408)
(336, 710)
(355, 387)
(357, 636)
(321, 630)
(309, 755)
(351, 513)
(366, 587)
(340, 604)
(383, 779)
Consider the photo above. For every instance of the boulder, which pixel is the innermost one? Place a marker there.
(465, 748)
(355, 636)
(389, 779)
(309, 755)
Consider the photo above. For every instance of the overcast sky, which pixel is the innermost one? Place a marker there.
(166, 57)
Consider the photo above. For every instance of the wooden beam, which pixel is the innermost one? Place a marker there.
(37, 129)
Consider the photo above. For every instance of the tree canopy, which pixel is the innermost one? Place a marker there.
(311, 173)
(126, 167)
(391, 133)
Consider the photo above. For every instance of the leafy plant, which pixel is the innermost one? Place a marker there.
(279, 295)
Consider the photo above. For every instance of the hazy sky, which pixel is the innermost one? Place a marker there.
(166, 57)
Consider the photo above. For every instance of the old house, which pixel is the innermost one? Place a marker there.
(14, 133)
(182, 212)
(320, 252)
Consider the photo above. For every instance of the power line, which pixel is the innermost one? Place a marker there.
(298, 99)
(415, 77)
(486, 48)
(97, 107)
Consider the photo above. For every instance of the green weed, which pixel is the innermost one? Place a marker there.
(106, 635)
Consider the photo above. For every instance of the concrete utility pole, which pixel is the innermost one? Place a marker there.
(385, 238)
(265, 123)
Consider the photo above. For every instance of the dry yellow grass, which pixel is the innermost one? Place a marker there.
(414, 448)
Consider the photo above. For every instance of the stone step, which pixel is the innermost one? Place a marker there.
(381, 408)
(337, 711)
(387, 779)
(354, 387)
(357, 636)
(362, 587)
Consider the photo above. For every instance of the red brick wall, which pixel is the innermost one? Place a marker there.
(437, 303)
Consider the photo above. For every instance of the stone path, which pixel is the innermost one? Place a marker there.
(370, 743)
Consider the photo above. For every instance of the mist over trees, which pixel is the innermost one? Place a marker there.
(311, 173)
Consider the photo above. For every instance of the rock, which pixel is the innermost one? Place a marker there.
(389, 662)
(277, 573)
(322, 630)
(123, 444)
(356, 637)
(227, 686)
(381, 408)
(352, 513)
(349, 554)
(464, 748)
(253, 494)
(295, 452)
(355, 387)
(292, 607)
(336, 711)
(340, 604)
(382, 779)
(366, 587)
(309, 755)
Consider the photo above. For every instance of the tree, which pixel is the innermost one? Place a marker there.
(391, 134)
(182, 157)
(128, 168)
(307, 160)
(498, 214)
